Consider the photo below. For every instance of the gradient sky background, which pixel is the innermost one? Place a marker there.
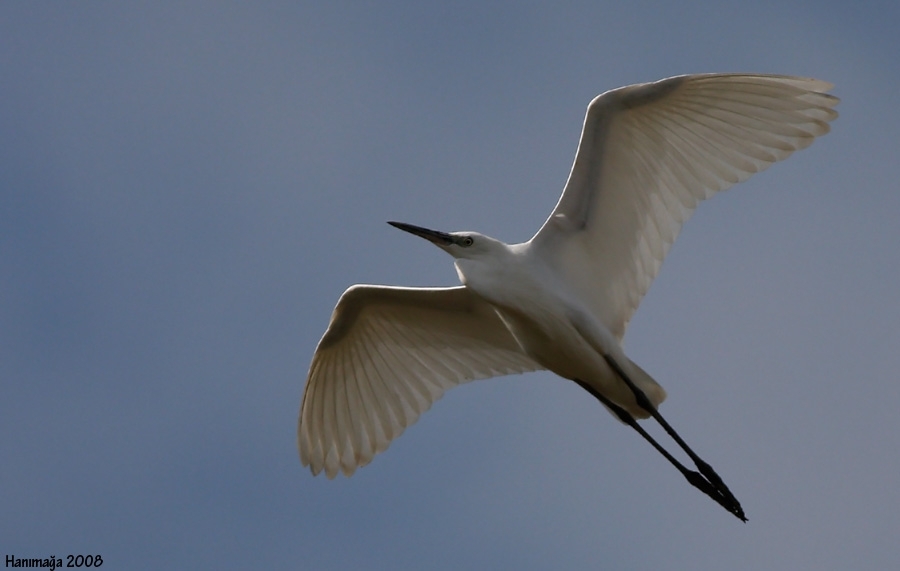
(185, 192)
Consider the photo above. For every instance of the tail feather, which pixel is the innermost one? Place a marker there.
(648, 386)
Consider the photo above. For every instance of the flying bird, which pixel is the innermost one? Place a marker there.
(648, 154)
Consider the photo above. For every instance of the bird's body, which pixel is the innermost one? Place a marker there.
(561, 301)
(541, 313)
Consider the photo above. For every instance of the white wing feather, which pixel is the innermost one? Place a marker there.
(648, 154)
(388, 354)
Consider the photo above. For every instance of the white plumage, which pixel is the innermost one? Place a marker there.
(648, 155)
(388, 354)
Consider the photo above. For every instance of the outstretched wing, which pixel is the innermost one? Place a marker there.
(388, 354)
(648, 154)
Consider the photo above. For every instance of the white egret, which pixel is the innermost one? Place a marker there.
(562, 300)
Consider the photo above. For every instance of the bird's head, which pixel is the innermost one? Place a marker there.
(457, 244)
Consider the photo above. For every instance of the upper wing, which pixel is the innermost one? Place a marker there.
(648, 154)
(388, 354)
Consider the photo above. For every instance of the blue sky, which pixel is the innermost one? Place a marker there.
(186, 191)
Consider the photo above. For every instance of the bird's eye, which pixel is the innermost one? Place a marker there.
(466, 241)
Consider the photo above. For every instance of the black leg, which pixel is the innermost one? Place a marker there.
(733, 505)
(709, 482)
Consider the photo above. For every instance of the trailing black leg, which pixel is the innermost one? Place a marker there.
(694, 478)
(709, 483)
(731, 503)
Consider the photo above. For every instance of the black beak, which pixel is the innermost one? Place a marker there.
(433, 236)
